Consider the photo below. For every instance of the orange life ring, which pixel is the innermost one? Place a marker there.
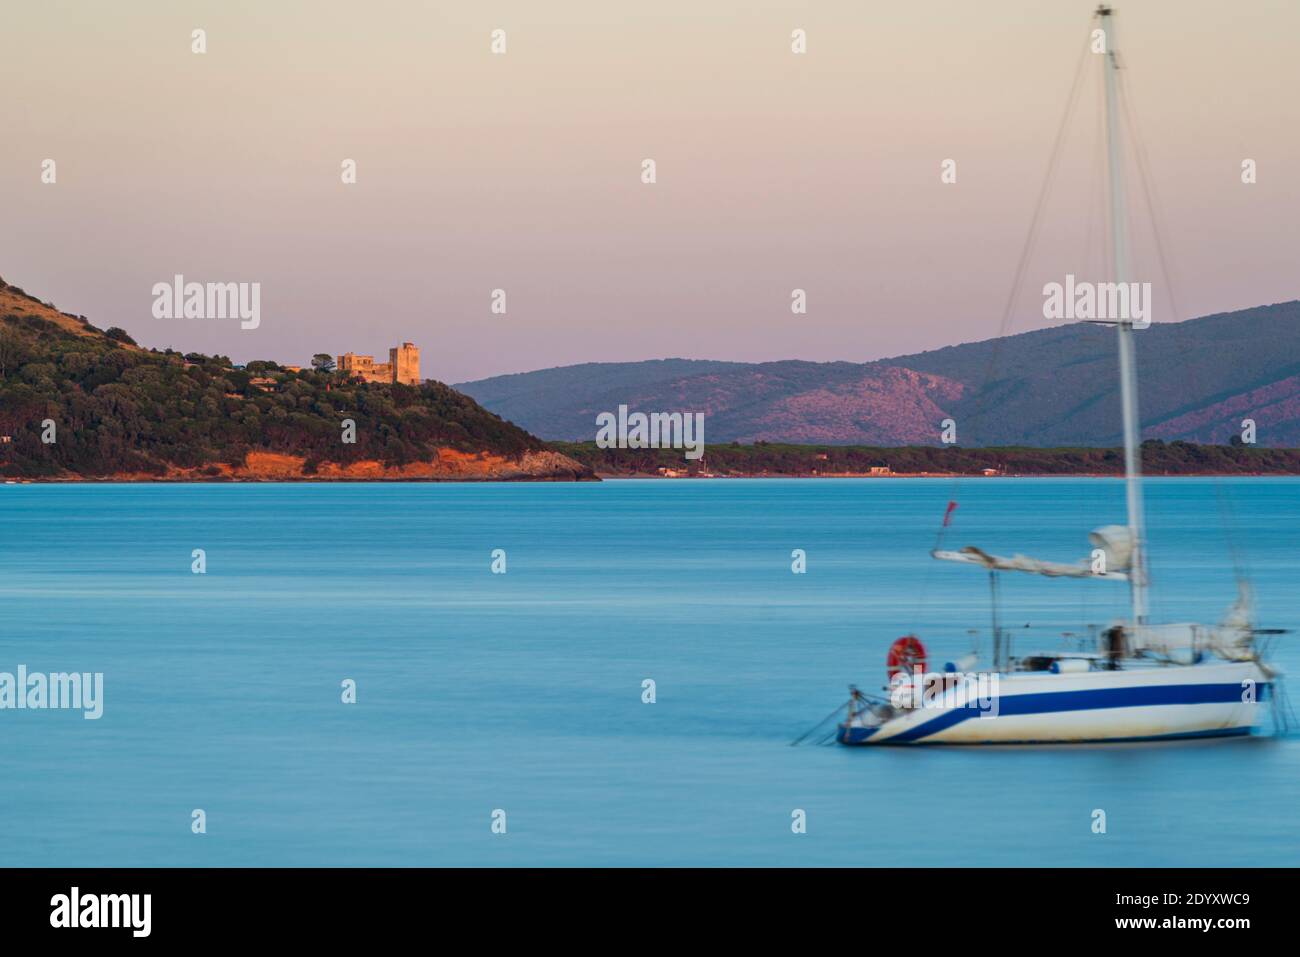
(905, 654)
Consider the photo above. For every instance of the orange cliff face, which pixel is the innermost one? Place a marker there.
(450, 465)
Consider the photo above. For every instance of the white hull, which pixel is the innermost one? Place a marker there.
(1136, 704)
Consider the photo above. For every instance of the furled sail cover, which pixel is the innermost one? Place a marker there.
(1113, 540)
(1169, 641)
(1117, 542)
(1232, 638)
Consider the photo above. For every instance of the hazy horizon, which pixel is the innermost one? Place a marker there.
(521, 171)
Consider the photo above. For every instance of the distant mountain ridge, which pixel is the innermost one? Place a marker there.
(1049, 387)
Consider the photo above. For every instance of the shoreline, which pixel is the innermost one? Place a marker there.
(597, 477)
(615, 476)
(780, 460)
(264, 466)
(285, 480)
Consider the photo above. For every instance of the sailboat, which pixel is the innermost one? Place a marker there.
(1140, 681)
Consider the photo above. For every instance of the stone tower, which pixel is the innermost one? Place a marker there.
(405, 361)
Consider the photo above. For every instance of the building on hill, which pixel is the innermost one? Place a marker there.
(403, 365)
(405, 360)
(364, 367)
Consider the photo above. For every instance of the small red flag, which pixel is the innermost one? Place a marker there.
(952, 506)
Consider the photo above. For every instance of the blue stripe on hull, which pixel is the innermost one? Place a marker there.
(860, 735)
(849, 735)
(1053, 702)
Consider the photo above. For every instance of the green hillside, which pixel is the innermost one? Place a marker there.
(118, 408)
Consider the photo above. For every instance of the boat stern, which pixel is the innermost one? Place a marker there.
(854, 734)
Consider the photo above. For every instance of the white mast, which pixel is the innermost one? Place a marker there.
(1127, 364)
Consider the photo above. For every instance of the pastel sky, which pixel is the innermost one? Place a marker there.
(477, 171)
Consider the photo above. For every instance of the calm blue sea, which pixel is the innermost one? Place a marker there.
(523, 691)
